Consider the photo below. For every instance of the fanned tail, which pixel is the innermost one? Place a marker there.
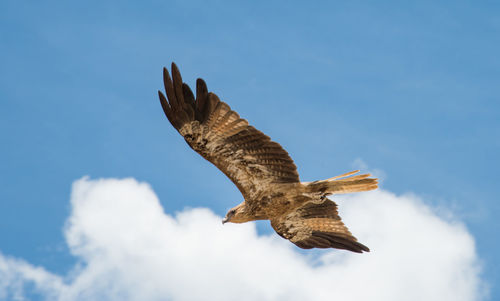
(345, 183)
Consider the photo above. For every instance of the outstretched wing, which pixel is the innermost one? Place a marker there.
(244, 154)
(317, 225)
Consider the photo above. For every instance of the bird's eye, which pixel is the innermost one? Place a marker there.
(232, 212)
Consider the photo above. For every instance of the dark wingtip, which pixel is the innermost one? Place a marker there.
(188, 94)
(201, 94)
(164, 104)
(340, 242)
(177, 84)
(363, 247)
(165, 74)
(201, 83)
(174, 67)
(162, 97)
(358, 247)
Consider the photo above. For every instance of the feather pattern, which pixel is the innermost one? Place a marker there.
(246, 155)
(317, 225)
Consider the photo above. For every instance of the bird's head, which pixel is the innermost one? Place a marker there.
(237, 214)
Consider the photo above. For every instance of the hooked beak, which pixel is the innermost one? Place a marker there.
(225, 220)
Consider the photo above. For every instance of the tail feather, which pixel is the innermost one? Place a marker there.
(342, 176)
(345, 183)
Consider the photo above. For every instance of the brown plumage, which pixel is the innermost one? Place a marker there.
(261, 169)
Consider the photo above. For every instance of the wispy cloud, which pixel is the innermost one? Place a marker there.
(129, 249)
(360, 164)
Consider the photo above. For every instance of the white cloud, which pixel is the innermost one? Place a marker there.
(131, 250)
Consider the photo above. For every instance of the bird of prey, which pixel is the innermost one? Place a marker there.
(261, 169)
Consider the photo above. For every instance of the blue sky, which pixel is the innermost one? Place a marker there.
(411, 89)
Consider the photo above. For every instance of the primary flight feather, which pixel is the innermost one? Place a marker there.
(261, 169)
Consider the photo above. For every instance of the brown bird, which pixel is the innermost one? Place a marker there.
(261, 169)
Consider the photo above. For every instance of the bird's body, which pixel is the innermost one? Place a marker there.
(261, 169)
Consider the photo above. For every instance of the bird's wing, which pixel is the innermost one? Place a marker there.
(244, 154)
(317, 225)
